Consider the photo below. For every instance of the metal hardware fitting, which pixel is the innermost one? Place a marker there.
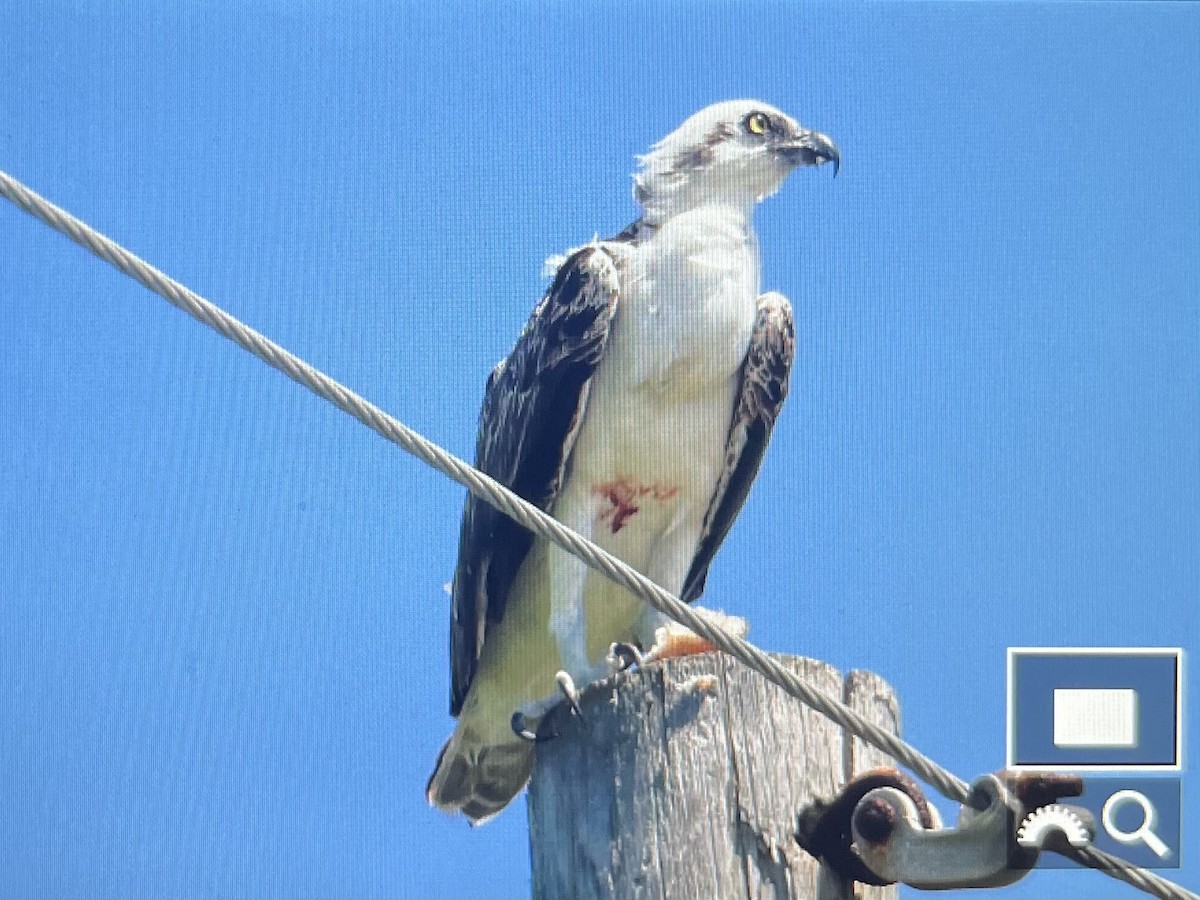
(980, 852)
(881, 830)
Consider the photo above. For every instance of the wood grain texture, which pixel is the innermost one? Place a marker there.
(684, 780)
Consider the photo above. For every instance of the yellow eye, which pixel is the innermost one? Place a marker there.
(758, 123)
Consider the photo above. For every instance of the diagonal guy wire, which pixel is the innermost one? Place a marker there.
(522, 511)
(479, 484)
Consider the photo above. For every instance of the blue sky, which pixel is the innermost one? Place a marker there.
(222, 623)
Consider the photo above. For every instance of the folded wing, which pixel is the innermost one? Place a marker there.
(764, 387)
(533, 406)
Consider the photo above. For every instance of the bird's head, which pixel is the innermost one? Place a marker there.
(736, 152)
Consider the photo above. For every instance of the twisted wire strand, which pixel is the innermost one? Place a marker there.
(523, 512)
(1115, 867)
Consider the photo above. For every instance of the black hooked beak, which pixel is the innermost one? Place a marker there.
(810, 148)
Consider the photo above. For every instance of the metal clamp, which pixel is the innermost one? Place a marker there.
(979, 852)
(881, 830)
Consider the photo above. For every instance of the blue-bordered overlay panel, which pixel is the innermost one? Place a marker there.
(1097, 709)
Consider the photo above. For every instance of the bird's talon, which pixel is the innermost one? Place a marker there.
(521, 729)
(566, 687)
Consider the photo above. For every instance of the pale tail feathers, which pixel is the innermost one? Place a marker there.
(478, 779)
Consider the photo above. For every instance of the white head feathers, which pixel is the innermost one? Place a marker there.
(735, 152)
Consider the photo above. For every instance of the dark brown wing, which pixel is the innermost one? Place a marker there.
(764, 387)
(532, 408)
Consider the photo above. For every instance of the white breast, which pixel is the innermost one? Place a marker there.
(653, 442)
(687, 303)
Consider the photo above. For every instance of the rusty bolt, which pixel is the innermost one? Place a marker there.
(875, 819)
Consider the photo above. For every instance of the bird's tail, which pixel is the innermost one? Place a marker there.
(476, 777)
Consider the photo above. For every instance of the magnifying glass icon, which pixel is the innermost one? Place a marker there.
(1144, 833)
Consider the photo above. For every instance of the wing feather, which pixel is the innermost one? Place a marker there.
(764, 387)
(533, 406)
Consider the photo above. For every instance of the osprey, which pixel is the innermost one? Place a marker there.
(635, 408)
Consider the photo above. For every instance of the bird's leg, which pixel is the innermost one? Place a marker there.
(568, 578)
(646, 632)
(661, 634)
(668, 566)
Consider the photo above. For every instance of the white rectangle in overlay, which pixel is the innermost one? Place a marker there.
(1095, 717)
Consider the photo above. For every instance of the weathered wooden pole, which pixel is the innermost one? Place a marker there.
(684, 780)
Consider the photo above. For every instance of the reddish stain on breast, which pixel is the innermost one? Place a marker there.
(623, 497)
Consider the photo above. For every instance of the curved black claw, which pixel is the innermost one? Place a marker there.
(626, 655)
(566, 687)
(538, 736)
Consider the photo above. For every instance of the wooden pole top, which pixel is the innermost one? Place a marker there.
(684, 781)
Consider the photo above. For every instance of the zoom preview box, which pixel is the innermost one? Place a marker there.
(1113, 716)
